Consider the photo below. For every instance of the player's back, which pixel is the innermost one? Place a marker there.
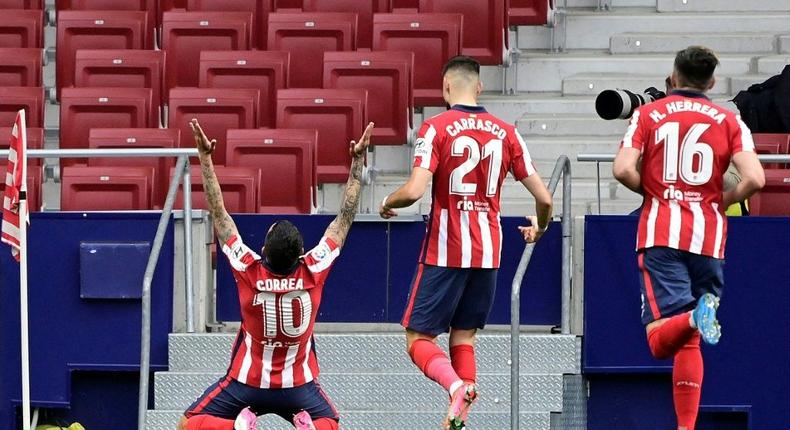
(687, 143)
(470, 153)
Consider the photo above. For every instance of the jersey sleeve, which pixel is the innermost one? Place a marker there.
(320, 259)
(426, 153)
(635, 137)
(240, 256)
(521, 165)
(740, 137)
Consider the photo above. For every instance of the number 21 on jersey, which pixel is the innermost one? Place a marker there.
(491, 150)
(692, 159)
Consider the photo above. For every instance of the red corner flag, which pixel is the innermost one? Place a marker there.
(15, 185)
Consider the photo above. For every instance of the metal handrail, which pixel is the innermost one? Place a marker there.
(562, 170)
(608, 158)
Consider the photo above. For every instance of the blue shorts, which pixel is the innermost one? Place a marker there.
(445, 297)
(227, 397)
(672, 281)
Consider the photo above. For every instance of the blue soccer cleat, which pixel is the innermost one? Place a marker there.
(704, 316)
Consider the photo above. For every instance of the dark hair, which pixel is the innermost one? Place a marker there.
(695, 66)
(284, 245)
(462, 63)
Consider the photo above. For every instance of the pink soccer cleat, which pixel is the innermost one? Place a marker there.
(303, 421)
(460, 403)
(245, 420)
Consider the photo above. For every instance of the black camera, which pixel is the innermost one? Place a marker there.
(620, 104)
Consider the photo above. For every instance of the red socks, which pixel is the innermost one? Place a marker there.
(687, 383)
(463, 358)
(325, 424)
(667, 339)
(433, 362)
(207, 422)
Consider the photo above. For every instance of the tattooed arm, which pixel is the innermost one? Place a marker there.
(339, 228)
(223, 223)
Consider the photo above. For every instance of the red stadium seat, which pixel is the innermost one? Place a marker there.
(35, 140)
(484, 26)
(774, 198)
(772, 143)
(266, 71)
(388, 78)
(289, 166)
(364, 9)
(130, 68)
(239, 188)
(405, 5)
(185, 34)
(31, 99)
(218, 110)
(307, 36)
(82, 109)
(260, 9)
(529, 12)
(147, 6)
(338, 115)
(433, 37)
(170, 6)
(96, 30)
(21, 29)
(288, 5)
(20, 67)
(22, 4)
(138, 138)
(85, 188)
(34, 180)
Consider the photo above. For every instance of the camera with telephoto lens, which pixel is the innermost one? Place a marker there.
(621, 104)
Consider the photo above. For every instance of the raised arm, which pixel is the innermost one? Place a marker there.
(338, 230)
(223, 223)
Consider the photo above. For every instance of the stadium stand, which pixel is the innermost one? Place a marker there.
(266, 71)
(260, 9)
(35, 177)
(121, 68)
(433, 38)
(186, 34)
(287, 159)
(405, 5)
(528, 12)
(387, 76)
(218, 111)
(21, 29)
(20, 67)
(147, 6)
(484, 26)
(22, 4)
(35, 140)
(31, 99)
(239, 189)
(96, 30)
(774, 198)
(307, 36)
(772, 144)
(364, 9)
(288, 5)
(85, 188)
(82, 109)
(117, 138)
(338, 115)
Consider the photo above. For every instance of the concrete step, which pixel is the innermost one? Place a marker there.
(578, 170)
(593, 30)
(740, 83)
(539, 71)
(591, 84)
(573, 125)
(614, 3)
(548, 149)
(784, 44)
(378, 420)
(405, 392)
(773, 64)
(384, 353)
(722, 6)
(721, 43)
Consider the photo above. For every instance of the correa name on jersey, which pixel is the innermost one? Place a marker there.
(280, 285)
(688, 106)
(474, 123)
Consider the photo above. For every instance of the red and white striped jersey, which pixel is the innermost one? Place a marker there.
(274, 348)
(687, 143)
(469, 151)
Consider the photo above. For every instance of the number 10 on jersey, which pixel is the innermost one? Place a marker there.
(280, 313)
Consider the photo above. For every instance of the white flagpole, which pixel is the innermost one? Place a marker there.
(23, 284)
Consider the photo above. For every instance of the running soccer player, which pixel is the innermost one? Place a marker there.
(467, 152)
(273, 367)
(685, 143)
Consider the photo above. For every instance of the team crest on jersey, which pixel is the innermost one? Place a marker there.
(321, 251)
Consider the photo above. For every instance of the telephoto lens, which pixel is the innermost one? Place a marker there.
(620, 104)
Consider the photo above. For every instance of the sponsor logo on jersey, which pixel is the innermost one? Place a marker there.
(280, 285)
(673, 194)
(421, 148)
(472, 206)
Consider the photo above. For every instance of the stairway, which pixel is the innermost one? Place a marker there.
(358, 368)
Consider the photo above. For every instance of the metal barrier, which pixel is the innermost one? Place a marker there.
(182, 170)
(561, 170)
(608, 158)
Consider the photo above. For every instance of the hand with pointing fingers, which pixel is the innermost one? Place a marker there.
(358, 148)
(204, 145)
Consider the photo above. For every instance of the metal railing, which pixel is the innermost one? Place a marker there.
(562, 170)
(608, 158)
(181, 171)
